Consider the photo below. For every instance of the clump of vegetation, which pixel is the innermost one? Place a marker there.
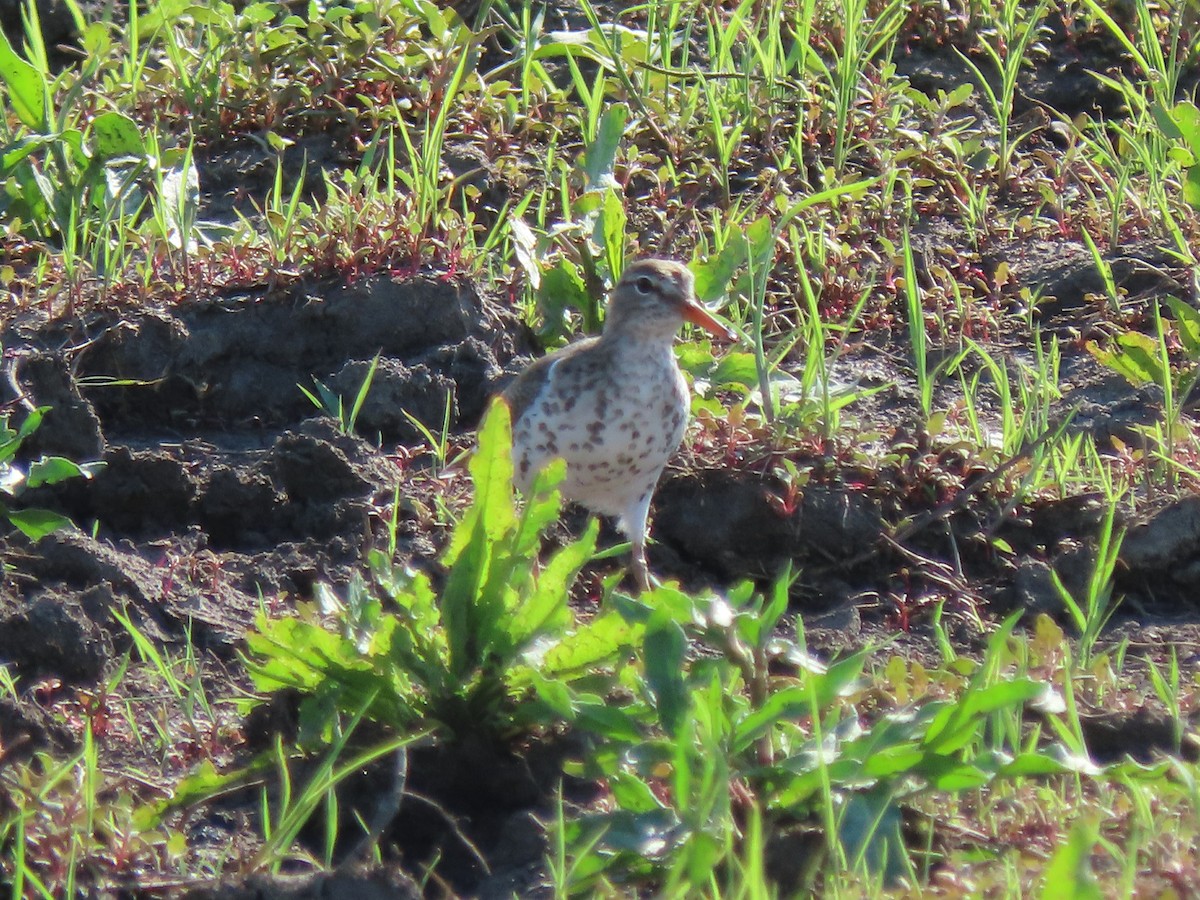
(16, 479)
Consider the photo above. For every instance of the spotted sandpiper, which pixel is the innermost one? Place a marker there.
(614, 407)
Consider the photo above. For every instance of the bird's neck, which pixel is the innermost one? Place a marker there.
(640, 337)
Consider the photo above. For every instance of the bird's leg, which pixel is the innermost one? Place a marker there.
(634, 523)
(641, 572)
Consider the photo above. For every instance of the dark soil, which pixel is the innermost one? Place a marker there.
(224, 488)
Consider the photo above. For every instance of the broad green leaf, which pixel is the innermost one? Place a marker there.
(1187, 324)
(27, 89)
(947, 775)
(647, 835)
(561, 290)
(893, 760)
(869, 829)
(735, 368)
(777, 605)
(761, 236)
(957, 724)
(593, 644)
(291, 653)
(1187, 119)
(114, 135)
(180, 198)
(29, 200)
(798, 699)
(840, 678)
(1180, 122)
(202, 784)
(492, 513)
(609, 722)
(601, 154)
(612, 230)
(586, 206)
(169, 12)
(806, 785)
(664, 647)
(552, 692)
(317, 715)
(1132, 368)
(665, 600)
(959, 95)
(1027, 765)
(1141, 351)
(37, 523)
(1191, 187)
(16, 152)
(542, 508)
(547, 606)
(632, 794)
(32, 422)
(714, 273)
(790, 703)
(259, 13)
(1069, 875)
(524, 245)
(53, 469)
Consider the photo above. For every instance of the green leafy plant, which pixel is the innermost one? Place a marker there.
(1144, 359)
(324, 399)
(706, 734)
(71, 828)
(927, 376)
(64, 175)
(1018, 28)
(469, 658)
(569, 265)
(14, 481)
(1181, 123)
(1091, 612)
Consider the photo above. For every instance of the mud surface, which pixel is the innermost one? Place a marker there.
(225, 490)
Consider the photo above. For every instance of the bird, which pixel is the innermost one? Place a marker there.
(614, 407)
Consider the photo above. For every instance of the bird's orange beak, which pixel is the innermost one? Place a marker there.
(696, 314)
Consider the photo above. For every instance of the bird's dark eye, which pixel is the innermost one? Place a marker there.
(644, 285)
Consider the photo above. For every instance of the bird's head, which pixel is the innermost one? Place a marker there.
(654, 298)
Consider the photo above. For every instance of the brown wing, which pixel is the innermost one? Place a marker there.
(524, 390)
